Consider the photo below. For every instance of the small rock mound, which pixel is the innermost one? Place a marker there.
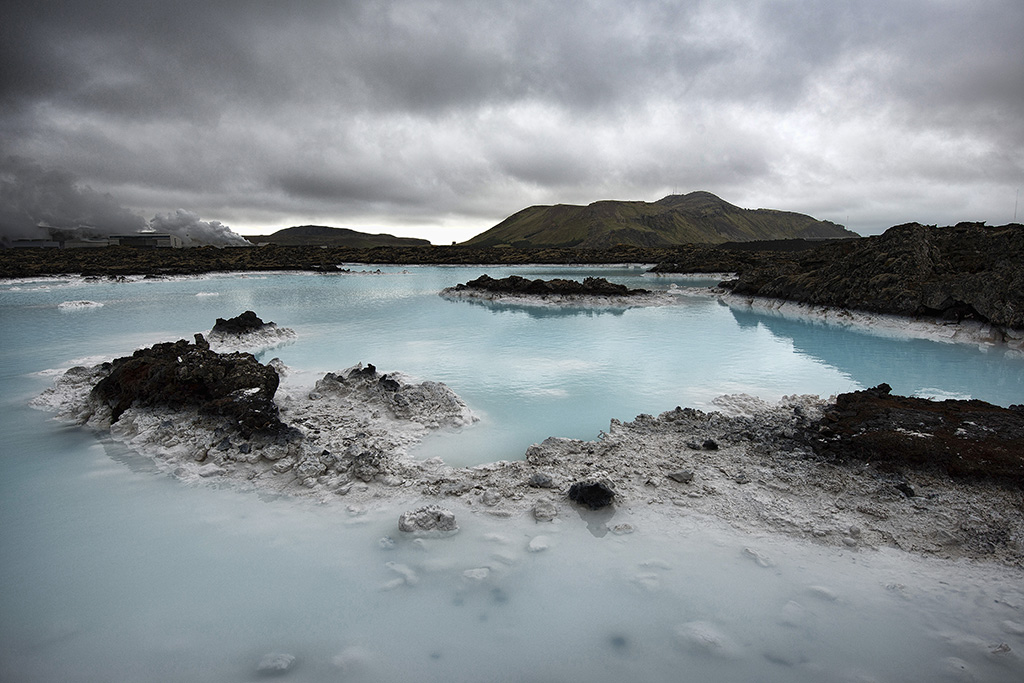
(247, 332)
(431, 404)
(964, 439)
(594, 493)
(430, 518)
(180, 375)
(241, 324)
(515, 284)
(275, 664)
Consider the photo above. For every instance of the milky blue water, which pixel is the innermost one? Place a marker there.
(111, 571)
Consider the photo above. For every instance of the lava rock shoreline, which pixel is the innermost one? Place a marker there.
(859, 471)
(515, 284)
(592, 291)
(966, 272)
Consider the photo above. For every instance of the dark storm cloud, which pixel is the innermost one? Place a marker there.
(34, 201)
(32, 198)
(420, 110)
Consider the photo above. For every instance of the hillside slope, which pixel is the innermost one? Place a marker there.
(321, 235)
(694, 218)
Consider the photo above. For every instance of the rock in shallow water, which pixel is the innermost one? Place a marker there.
(595, 494)
(275, 664)
(430, 518)
(182, 375)
(544, 510)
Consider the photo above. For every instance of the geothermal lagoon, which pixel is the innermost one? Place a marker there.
(114, 569)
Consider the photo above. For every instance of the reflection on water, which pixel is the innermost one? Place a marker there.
(910, 366)
(541, 310)
(113, 571)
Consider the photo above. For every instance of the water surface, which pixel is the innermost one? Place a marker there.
(112, 571)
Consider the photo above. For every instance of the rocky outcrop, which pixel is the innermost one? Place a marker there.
(248, 332)
(428, 519)
(844, 473)
(430, 404)
(963, 439)
(240, 324)
(965, 272)
(517, 285)
(594, 493)
(118, 262)
(179, 375)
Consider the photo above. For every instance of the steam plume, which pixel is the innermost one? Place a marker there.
(193, 231)
(36, 203)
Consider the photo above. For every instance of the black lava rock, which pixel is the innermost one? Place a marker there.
(594, 494)
(246, 322)
(180, 375)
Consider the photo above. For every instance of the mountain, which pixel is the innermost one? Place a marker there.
(694, 218)
(321, 235)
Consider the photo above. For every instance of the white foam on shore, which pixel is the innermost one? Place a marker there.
(356, 436)
(666, 298)
(884, 325)
(80, 305)
(934, 394)
(692, 276)
(270, 336)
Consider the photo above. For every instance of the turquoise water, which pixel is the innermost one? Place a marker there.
(529, 373)
(112, 571)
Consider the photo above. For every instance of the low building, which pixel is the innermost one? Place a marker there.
(86, 243)
(147, 240)
(35, 244)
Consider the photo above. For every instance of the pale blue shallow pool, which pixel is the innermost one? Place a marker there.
(114, 572)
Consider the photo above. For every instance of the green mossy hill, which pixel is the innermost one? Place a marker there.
(695, 218)
(321, 235)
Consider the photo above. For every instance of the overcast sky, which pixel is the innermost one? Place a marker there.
(439, 119)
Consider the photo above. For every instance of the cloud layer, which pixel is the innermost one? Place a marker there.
(440, 118)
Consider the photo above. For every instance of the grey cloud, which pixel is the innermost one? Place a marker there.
(412, 110)
(34, 200)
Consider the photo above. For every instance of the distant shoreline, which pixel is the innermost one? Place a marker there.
(114, 261)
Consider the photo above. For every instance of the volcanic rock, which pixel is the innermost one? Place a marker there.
(964, 439)
(430, 518)
(593, 493)
(515, 284)
(965, 272)
(181, 375)
(241, 324)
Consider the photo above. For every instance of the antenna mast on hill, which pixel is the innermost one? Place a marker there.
(1015, 205)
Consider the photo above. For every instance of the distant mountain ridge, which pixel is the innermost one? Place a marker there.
(694, 218)
(322, 235)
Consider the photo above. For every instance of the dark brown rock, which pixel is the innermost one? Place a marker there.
(241, 324)
(593, 494)
(965, 439)
(515, 284)
(180, 375)
(965, 272)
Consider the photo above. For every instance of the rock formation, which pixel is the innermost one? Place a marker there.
(240, 324)
(965, 272)
(247, 332)
(963, 439)
(517, 285)
(428, 519)
(179, 375)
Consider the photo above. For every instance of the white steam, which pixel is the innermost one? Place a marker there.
(193, 231)
(35, 203)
